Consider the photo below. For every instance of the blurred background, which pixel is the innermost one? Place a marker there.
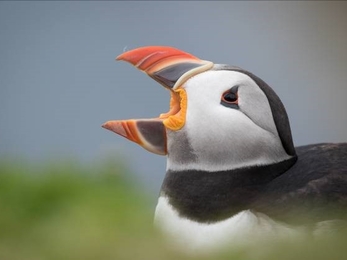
(59, 83)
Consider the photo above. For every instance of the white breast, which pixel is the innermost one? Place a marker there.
(240, 230)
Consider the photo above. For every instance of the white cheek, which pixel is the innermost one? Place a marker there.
(227, 140)
(224, 138)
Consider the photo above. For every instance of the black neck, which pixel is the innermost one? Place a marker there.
(213, 196)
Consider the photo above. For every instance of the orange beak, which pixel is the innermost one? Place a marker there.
(150, 133)
(171, 68)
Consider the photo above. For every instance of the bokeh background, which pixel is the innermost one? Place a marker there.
(72, 190)
(59, 81)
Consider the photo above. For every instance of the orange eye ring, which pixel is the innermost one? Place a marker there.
(230, 98)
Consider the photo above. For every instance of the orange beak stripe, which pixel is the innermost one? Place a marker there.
(148, 133)
(146, 58)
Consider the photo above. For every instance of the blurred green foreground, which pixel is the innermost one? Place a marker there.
(73, 212)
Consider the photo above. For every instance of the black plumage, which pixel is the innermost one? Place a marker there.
(312, 189)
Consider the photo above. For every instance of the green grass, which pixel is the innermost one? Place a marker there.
(67, 211)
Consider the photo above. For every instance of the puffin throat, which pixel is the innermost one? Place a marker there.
(175, 118)
(151, 133)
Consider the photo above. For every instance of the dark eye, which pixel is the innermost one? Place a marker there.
(230, 98)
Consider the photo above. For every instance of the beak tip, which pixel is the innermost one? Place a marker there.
(116, 127)
(108, 126)
(104, 125)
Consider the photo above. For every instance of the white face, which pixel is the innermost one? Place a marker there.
(216, 137)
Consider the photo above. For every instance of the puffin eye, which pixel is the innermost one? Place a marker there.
(230, 98)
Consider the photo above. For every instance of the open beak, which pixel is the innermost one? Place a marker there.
(171, 68)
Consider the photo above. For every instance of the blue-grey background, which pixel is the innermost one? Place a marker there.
(59, 81)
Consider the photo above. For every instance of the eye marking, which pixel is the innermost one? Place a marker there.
(230, 98)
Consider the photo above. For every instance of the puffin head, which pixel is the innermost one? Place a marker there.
(221, 117)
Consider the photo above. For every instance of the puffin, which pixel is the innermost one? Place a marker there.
(233, 175)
